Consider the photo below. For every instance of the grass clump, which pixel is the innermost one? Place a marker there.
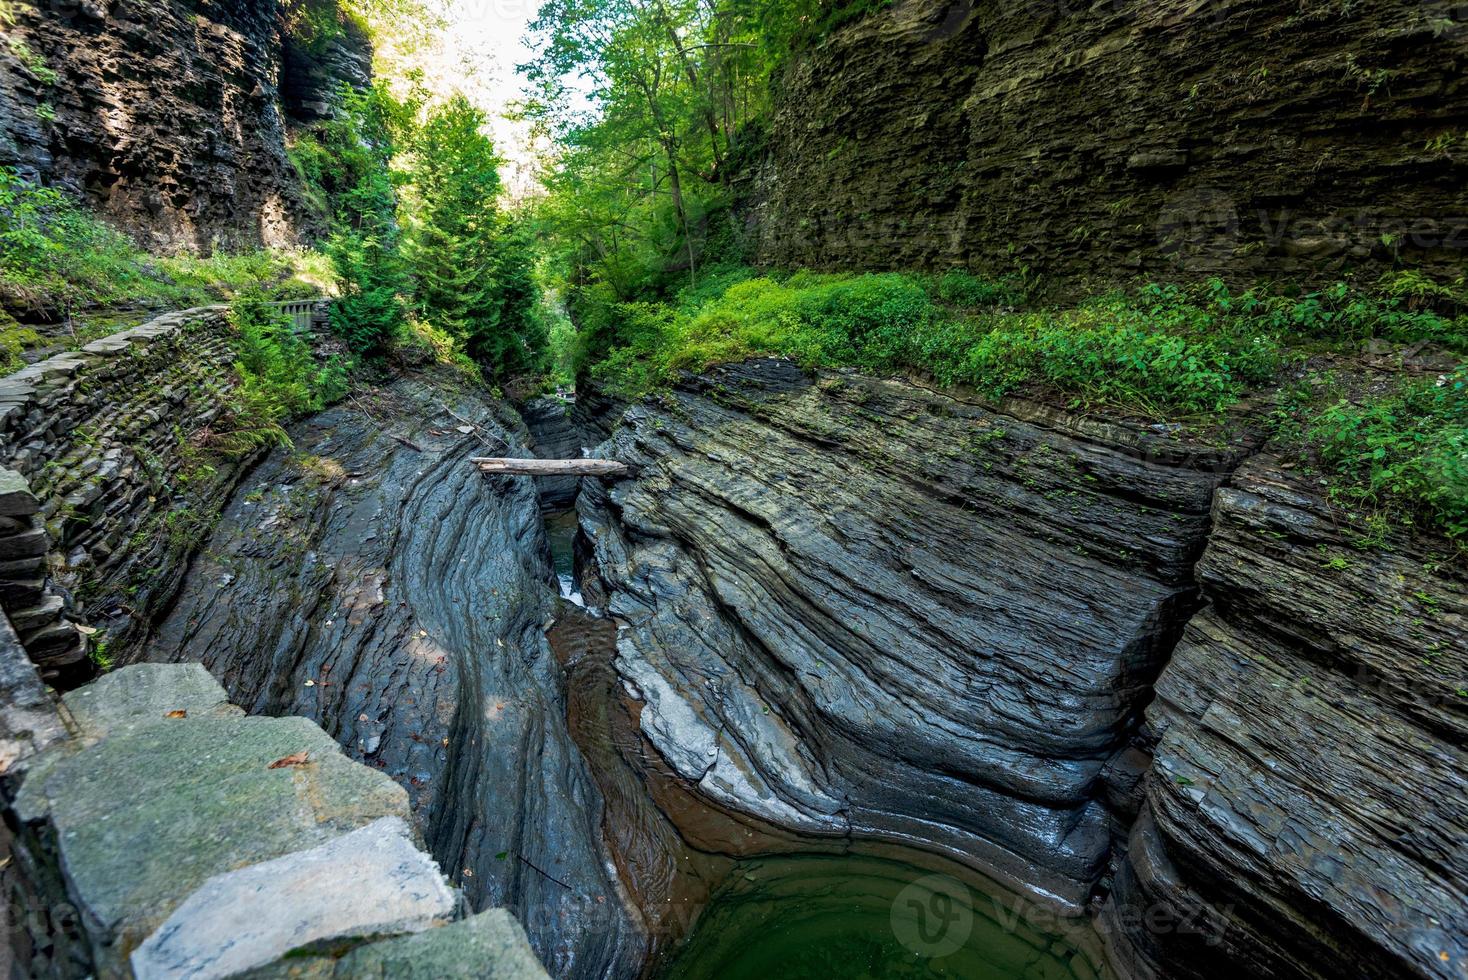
(1162, 351)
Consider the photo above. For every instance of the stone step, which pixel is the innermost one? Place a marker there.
(23, 568)
(16, 498)
(370, 882)
(26, 544)
(58, 655)
(49, 638)
(22, 593)
(488, 945)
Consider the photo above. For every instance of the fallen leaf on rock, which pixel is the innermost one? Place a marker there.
(310, 683)
(466, 429)
(86, 630)
(177, 713)
(294, 759)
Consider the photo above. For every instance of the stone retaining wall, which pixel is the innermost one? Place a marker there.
(98, 491)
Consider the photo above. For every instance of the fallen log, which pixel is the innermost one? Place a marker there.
(550, 467)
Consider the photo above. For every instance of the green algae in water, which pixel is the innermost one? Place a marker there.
(817, 917)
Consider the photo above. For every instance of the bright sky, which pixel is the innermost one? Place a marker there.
(482, 46)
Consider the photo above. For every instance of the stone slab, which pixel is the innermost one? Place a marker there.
(148, 814)
(142, 695)
(16, 498)
(372, 881)
(488, 946)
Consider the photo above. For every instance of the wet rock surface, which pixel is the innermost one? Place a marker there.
(555, 436)
(373, 581)
(855, 607)
(1306, 808)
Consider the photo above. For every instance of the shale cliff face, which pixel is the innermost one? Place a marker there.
(375, 582)
(1307, 791)
(1105, 140)
(856, 607)
(163, 114)
(851, 606)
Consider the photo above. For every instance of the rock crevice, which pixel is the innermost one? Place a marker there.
(374, 581)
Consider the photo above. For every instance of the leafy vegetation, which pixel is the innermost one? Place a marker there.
(1160, 349)
(56, 258)
(346, 165)
(425, 254)
(1401, 453)
(279, 379)
(639, 195)
(473, 266)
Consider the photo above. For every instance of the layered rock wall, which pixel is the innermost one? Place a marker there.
(107, 489)
(850, 606)
(853, 606)
(165, 115)
(556, 435)
(1093, 142)
(1305, 808)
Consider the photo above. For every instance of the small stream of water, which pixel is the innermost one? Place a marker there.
(561, 529)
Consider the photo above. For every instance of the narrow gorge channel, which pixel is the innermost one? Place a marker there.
(733, 490)
(847, 678)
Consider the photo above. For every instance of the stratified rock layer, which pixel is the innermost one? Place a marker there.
(373, 580)
(101, 498)
(1098, 141)
(164, 115)
(857, 607)
(1306, 813)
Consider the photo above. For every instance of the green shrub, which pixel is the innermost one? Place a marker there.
(54, 254)
(278, 378)
(1403, 452)
(1162, 351)
(1341, 315)
(969, 292)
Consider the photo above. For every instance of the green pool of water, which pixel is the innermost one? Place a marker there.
(856, 917)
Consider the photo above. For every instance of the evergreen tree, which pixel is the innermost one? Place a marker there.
(472, 263)
(352, 168)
